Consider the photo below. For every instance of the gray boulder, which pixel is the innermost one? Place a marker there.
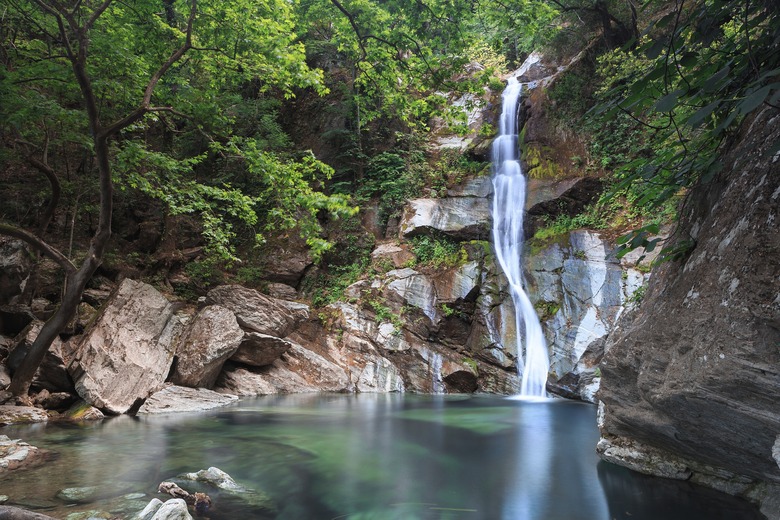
(184, 399)
(208, 341)
(128, 350)
(257, 312)
(150, 510)
(462, 218)
(173, 509)
(260, 349)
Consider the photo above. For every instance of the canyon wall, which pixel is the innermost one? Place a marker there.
(691, 380)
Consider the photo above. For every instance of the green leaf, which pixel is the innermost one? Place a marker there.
(700, 115)
(668, 102)
(753, 100)
(713, 82)
(656, 49)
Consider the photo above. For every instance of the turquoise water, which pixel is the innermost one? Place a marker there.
(361, 457)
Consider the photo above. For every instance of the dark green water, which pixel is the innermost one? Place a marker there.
(366, 456)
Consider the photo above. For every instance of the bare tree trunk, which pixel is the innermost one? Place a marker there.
(24, 374)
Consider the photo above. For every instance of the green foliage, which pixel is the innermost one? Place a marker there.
(209, 146)
(249, 275)
(546, 310)
(564, 224)
(699, 72)
(447, 310)
(204, 273)
(515, 28)
(384, 314)
(346, 263)
(437, 251)
(639, 294)
(472, 364)
(328, 286)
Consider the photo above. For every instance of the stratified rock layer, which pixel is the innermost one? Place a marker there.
(462, 218)
(697, 373)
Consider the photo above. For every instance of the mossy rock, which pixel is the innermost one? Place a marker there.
(82, 411)
(538, 164)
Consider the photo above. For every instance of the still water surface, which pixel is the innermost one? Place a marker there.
(360, 457)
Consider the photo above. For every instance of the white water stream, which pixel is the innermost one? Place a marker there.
(509, 191)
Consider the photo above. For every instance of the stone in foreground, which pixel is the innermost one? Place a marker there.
(185, 399)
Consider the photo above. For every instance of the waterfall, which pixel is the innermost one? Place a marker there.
(508, 208)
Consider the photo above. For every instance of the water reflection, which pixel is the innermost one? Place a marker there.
(370, 457)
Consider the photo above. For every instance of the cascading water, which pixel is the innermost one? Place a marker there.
(508, 208)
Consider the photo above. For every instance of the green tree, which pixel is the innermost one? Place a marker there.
(97, 80)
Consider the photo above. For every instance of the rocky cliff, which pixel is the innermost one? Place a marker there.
(691, 384)
(407, 326)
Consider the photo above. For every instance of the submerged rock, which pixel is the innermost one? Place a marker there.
(16, 454)
(79, 495)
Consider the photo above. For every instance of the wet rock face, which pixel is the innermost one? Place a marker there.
(580, 290)
(696, 372)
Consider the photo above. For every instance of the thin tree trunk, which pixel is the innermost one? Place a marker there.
(24, 374)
